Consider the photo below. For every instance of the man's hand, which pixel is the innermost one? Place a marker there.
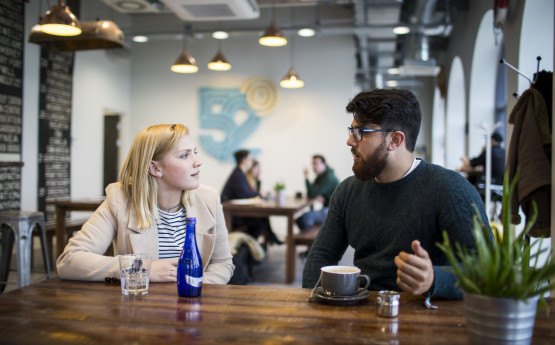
(415, 274)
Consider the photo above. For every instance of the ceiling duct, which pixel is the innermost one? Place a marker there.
(419, 68)
(135, 6)
(418, 60)
(213, 10)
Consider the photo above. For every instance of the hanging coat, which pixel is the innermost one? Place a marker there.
(528, 152)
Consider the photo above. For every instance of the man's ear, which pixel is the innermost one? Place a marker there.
(154, 170)
(397, 139)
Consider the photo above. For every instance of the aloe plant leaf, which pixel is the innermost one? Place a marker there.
(504, 266)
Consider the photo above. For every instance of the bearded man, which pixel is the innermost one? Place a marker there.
(395, 208)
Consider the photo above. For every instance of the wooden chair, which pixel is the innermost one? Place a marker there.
(306, 237)
(72, 225)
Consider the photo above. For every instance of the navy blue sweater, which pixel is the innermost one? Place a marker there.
(379, 220)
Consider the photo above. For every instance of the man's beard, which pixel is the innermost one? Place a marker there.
(366, 170)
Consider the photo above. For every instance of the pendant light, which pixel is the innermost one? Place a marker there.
(101, 34)
(272, 36)
(292, 80)
(219, 62)
(185, 63)
(60, 21)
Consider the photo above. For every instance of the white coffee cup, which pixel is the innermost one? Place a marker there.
(342, 280)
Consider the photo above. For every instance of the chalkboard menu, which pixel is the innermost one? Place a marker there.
(11, 74)
(10, 186)
(56, 79)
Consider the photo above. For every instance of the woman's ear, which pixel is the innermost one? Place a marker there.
(154, 170)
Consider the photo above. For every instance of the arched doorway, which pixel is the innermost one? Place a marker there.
(483, 80)
(455, 117)
(438, 130)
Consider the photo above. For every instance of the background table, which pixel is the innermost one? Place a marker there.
(62, 207)
(72, 312)
(292, 208)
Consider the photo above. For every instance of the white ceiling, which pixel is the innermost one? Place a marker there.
(370, 22)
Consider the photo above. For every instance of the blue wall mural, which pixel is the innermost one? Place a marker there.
(236, 112)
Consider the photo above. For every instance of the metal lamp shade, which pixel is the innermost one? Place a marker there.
(272, 37)
(102, 34)
(60, 21)
(291, 80)
(219, 63)
(185, 63)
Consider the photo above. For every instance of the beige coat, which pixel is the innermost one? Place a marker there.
(116, 220)
(529, 153)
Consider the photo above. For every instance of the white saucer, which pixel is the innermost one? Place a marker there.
(319, 295)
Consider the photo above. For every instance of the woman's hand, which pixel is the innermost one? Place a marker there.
(164, 271)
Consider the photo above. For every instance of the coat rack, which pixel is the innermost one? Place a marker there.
(503, 61)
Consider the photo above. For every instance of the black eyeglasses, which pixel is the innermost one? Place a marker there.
(357, 132)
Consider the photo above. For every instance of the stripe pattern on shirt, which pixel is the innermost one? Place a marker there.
(171, 233)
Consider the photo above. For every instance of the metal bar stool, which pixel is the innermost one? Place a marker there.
(22, 224)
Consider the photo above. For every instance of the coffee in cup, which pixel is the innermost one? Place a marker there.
(342, 280)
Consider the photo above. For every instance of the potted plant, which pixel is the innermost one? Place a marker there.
(501, 281)
(280, 192)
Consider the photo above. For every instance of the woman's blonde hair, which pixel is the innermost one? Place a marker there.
(152, 144)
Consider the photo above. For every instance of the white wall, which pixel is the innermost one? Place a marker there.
(144, 90)
(30, 128)
(455, 117)
(305, 121)
(537, 18)
(99, 84)
(483, 80)
(438, 137)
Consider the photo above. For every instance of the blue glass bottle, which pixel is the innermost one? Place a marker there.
(189, 267)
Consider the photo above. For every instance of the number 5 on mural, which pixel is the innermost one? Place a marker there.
(236, 112)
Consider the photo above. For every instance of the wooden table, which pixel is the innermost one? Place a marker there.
(73, 312)
(292, 208)
(62, 207)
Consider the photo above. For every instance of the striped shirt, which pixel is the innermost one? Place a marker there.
(171, 233)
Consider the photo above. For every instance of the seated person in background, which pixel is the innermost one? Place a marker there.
(321, 190)
(475, 167)
(253, 177)
(237, 187)
(396, 207)
(145, 213)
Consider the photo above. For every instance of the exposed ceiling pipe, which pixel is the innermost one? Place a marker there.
(363, 30)
(362, 41)
(419, 44)
(285, 3)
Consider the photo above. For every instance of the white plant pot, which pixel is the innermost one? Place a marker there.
(281, 196)
(507, 321)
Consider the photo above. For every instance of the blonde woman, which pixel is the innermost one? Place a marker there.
(145, 213)
(253, 176)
